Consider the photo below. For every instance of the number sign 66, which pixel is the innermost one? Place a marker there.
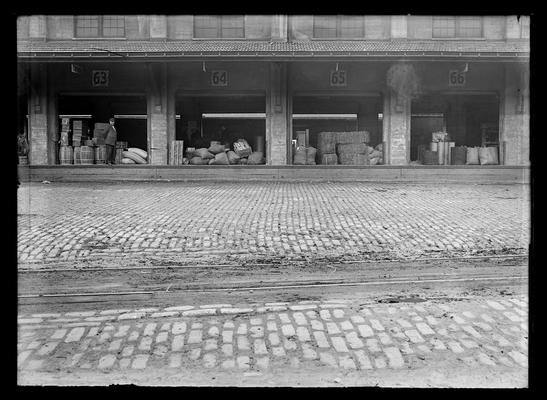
(456, 78)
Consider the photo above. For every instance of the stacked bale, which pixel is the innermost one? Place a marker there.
(326, 147)
(352, 149)
(77, 127)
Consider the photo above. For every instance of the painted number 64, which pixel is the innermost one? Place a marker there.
(456, 78)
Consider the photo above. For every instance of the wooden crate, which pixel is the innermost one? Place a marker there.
(176, 153)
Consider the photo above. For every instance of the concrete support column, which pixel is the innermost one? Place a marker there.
(515, 115)
(396, 127)
(38, 116)
(157, 105)
(158, 27)
(277, 115)
(38, 27)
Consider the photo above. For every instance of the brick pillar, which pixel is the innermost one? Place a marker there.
(515, 115)
(158, 124)
(38, 116)
(396, 126)
(277, 115)
(158, 27)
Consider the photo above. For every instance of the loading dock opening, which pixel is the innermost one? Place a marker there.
(129, 111)
(470, 119)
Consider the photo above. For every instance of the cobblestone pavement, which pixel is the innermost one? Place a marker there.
(480, 335)
(163, 222)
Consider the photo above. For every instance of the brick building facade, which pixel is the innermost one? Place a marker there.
(267, 76)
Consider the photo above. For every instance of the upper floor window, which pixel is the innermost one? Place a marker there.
(338, 26)
(219, 26)
(457, 27)
(92, 26)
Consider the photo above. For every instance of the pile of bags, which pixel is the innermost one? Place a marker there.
(376, 155)
(218, 154)
(346, 148)
(482, 156)
(304, 155)
(134, 155)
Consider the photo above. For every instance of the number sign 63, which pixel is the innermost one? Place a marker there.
(456, 78)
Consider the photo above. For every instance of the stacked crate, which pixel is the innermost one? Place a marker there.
(65, 132)
(352, 149)
(176, 155)
(77, 127)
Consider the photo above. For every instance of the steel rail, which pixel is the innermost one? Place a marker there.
(25, 271)
(275, 287)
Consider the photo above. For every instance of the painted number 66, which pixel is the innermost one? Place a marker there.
(456, 78)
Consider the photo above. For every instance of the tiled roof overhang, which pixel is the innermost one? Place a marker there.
(112, 50)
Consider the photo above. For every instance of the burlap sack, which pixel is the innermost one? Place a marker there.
(203, 153)
(472, 156)
(299, 157)
(256, 158)
(199, 161)
(488, 155)
(310, 155)
(220, 159)
(216, 148)
(233, 158)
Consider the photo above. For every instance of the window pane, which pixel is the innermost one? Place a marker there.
(444, 27)
(352, 27)
(113, 26)
(87, 26)
(232, 26)
(470, 27)
(324, 27)
(206, 26)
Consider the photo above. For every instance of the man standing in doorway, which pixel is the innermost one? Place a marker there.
(110, 141)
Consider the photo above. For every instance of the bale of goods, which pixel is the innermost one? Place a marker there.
(243, 161)
(472, 156)
(141, 153)
(89, 142)
(87, 155)
(458, 155)
(488, 155)
(133, 156)
(310, 155)
(329, 159)
(176, 153)
(326, 142)
(100, 130)
(127, 161)
(353, 159)
(100, 154)
(216, 148)
(430, 157)
(352, 137)
(66, 155)
(300, 155)
(220, 159)
(233, 158)
(98, 141)
(77, 155)
(203, 153)
(242, 148)
(352, 148)
(199, 161)
(121, 145)
(256, 158)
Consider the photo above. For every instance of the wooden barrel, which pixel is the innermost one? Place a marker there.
(66, 155)
(100, 154)
(77, 155)
(87, 155)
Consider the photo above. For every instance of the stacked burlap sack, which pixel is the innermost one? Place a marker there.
(482, 156)
(304, 155)
(376, 155)
(218, 154)
(346, 148)
(134, 155)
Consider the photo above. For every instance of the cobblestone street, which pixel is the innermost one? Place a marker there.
(333, 340)
(157, 223)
